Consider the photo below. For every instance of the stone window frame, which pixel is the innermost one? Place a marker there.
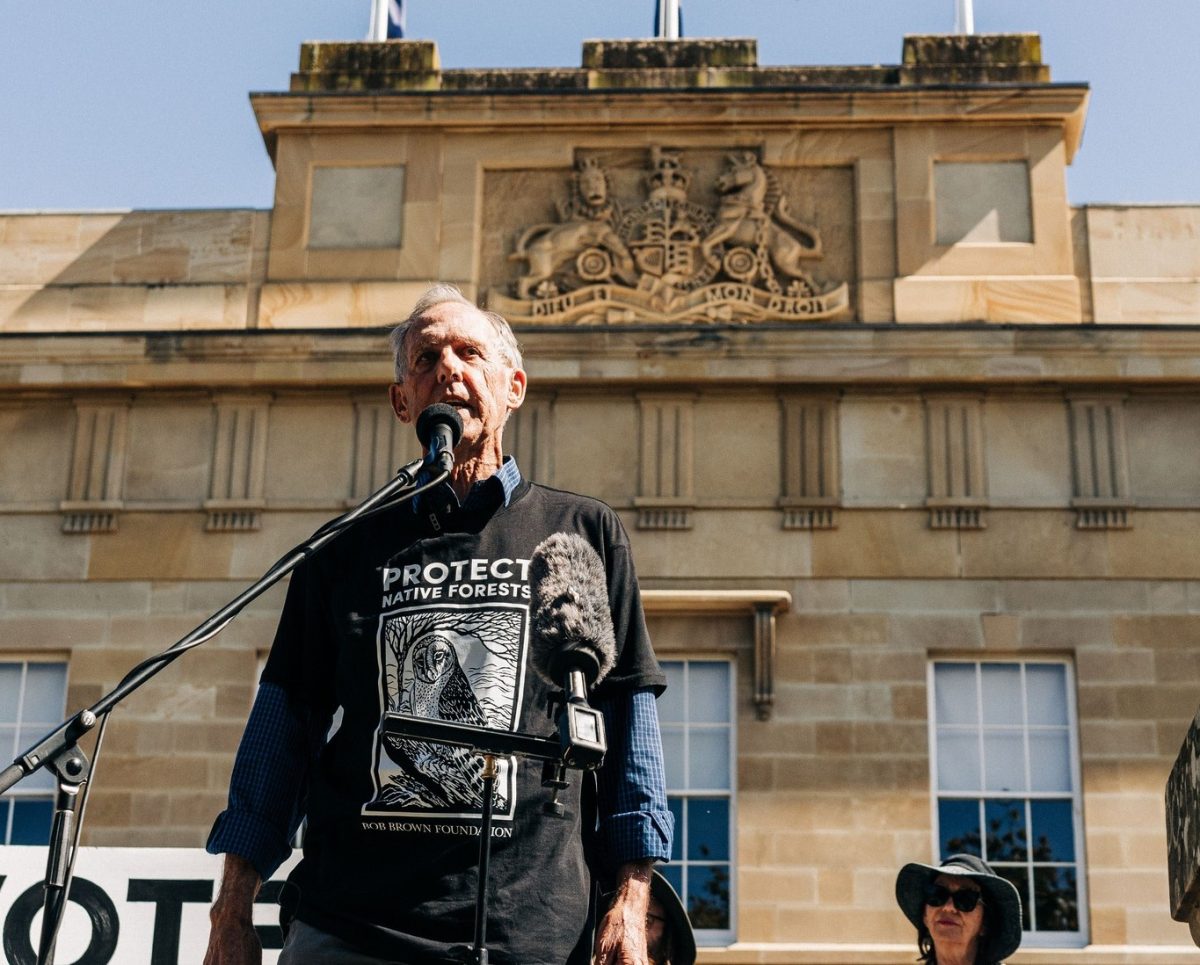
(677, 870)
(39, 787)
(1030, 938)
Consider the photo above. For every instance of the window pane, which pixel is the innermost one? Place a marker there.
(670, 704)
(708, 829)
(708, 692)
(1004, 761)
(31, 821)
(674, 758)
(1007, 839)
(1020, 878)
(954, 693)
(1001, 687)
(10, 690)
(957, 761)
(45, 693)
(43, 778)
(676, 806)
(1046, 689)
(1057, 899)
(1050, 760)
(1053, 831)
(708, 896)
(1022, 743)
(8, 744)
(958, 827)
(674, 874)
(708, 764)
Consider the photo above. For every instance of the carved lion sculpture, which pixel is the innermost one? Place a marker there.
(585, 234)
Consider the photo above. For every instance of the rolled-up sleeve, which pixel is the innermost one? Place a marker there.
(635, 823)
(269, 782)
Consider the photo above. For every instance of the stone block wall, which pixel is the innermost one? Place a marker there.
(833, 790)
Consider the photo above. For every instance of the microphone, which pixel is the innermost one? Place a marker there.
(573, 641)
(439, 428)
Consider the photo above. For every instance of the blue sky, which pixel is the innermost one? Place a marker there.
(127, 104)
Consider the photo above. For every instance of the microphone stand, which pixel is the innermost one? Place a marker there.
(59, 749)
(581, 747)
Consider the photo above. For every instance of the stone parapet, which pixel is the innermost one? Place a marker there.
(686, 53)
(973, 59)
(395, 65)
(414, 65)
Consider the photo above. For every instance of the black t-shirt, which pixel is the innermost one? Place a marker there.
(392, 617)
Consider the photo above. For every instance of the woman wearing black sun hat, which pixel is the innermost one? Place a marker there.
(964, 913)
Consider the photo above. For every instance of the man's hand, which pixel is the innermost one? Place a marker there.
(621, 938)
(232, 939)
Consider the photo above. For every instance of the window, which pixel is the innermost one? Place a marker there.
(1006, 784)
(696, 715)
(33, 697)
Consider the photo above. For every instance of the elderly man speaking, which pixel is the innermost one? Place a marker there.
(425, 610)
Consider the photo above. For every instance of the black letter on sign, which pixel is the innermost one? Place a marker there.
(168, 897)
(100, 911)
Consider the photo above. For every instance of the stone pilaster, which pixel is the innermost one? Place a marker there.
(1099, 462)
(811, 483)
(666, 495)
(954, 453)
(239, 464)
(95, 491)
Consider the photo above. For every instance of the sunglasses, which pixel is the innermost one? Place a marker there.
(964, 900)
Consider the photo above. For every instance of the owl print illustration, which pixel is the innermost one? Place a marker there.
(456, 663)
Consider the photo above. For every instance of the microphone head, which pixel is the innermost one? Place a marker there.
(572, 623)
(439, 414)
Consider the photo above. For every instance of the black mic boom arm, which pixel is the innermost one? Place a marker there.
(585, 750)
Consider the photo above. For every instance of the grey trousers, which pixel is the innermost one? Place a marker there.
(306, 945)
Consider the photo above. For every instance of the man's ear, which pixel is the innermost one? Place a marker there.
(399, 403)
(517, 383)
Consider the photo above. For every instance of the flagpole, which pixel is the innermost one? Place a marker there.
(379, 13)
(964, 17)
(667, 27)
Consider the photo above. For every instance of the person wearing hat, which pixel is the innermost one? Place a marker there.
(669, 938)
(964, 913)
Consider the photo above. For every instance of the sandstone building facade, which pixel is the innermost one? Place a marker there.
(907, 446)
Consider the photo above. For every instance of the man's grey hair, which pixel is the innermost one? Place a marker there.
(441, 294)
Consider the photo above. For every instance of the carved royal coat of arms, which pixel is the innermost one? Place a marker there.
(668, 259)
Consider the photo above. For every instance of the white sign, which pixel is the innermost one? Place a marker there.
(128, 906)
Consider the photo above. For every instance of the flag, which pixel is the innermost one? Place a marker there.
(395, 21)
(387, 20)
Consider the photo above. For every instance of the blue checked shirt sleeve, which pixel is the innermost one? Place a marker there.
(634, 821)
(270, 777)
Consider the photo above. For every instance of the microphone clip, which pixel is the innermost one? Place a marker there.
(580, 726)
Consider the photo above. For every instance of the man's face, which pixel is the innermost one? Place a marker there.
(454, 356)
(656, 932)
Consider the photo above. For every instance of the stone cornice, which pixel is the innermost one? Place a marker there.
(892, 356)
(737, 110)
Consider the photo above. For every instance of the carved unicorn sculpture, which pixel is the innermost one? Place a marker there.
(753, 213)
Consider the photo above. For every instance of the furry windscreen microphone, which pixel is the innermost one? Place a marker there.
(572, 625)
